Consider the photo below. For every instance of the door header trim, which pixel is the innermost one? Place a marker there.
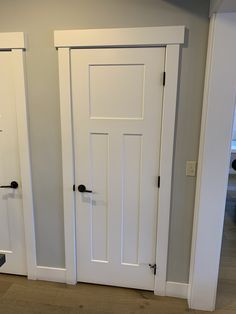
(120, 37)
(15, 40)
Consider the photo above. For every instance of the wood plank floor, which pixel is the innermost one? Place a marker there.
(21, 296)
(226, 295)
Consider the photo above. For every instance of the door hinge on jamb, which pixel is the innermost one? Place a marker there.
(159, 182)
(164, 78)
(154, 267)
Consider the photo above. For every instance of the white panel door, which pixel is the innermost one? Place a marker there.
(117, 109)
(12, 241)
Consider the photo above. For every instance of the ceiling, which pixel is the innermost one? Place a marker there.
(222, 6)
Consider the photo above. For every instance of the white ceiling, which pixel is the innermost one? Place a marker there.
(222, 6)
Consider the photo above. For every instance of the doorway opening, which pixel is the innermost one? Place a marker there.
(226, 295)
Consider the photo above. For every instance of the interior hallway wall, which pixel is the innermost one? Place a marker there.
(38, 19)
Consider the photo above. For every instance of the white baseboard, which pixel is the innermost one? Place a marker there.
(177, 289)
(51, 274)
(173, 289)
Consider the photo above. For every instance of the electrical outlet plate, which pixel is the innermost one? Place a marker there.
(191, 166)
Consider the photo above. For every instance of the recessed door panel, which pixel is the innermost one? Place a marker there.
(99, 157)
(132, 161)
(122, 84)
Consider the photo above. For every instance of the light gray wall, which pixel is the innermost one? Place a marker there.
(38, 19)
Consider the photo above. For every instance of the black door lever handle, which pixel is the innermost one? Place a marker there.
(13, 185)
(82, 189)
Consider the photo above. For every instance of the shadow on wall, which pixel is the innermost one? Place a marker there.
(188, 6)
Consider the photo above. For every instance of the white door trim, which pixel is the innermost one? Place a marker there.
(123, 37)
(213, 163)
(171, 38)
(16, 44)
(12, 41)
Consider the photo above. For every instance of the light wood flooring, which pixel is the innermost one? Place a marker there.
(226, 296)
(21, 296)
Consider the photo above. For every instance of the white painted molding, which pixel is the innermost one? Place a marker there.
(177, 289)
(51, 274)
(212, 177)
(25, 163)
(67, 164)
(165, 36)
(166, 164)
(150, 36)
(12, 40)
(200, 161)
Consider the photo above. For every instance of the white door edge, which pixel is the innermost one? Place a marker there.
(168, 126)
(16, 43)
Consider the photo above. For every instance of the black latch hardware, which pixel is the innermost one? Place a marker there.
(154, 267)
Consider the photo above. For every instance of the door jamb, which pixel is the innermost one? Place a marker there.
(213, 163)
(15, 42)
(169, 37)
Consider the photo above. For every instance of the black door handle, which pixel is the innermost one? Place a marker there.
(82, 189)
(13, 185)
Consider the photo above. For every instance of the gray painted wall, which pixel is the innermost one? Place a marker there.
(38, 19)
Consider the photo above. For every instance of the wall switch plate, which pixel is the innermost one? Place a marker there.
(191, 167)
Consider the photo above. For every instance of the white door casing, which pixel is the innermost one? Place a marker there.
(17, 221)
(170, 38)
(213, 162)
(117, 99)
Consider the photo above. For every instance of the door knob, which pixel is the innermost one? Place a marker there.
(82, 189)
(13, 185)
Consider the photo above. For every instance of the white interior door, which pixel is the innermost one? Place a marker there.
(117, 111)
(12, 241)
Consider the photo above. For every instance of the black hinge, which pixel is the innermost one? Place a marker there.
(74, 187)
(164, 79)
(154, 267)
(158, 182)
